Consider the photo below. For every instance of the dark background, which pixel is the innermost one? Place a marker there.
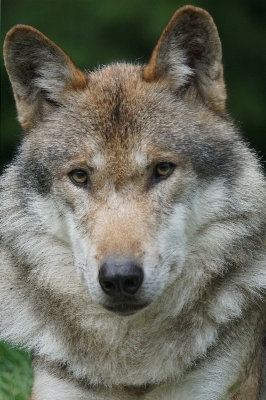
(95, 32)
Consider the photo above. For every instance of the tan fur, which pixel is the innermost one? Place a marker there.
(249, 388)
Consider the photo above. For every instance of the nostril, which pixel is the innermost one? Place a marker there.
(131, 283)
(109, 285)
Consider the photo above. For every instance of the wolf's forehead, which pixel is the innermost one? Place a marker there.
(137, 156)
(115, 86)
(121, 101)
(124, 110)
(112, 79)
(120, 117)
(115, 107)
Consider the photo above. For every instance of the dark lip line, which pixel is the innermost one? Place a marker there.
(126, 308)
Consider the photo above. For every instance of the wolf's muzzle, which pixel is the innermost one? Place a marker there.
(120, 277)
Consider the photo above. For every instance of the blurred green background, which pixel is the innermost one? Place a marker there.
(15, 373)
(95, 32)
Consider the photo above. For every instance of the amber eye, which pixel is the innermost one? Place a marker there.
(163, 170)
(79, 176)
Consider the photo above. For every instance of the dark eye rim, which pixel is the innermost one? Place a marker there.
(80, 184)
(157, 177)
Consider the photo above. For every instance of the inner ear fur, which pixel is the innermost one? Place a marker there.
(188, 58)
(40, 73)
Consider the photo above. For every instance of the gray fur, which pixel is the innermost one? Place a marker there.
(199, 234)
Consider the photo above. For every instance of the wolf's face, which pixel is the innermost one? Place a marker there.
(116, 156)
(117, 182)
(116, 166)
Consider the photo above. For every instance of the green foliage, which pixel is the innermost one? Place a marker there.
(15, 373)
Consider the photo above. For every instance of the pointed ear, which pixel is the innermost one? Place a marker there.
(188, 58)
(41, 74)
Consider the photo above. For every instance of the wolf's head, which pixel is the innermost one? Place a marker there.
(129, 167)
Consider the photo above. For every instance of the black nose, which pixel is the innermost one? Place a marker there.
(118, 277)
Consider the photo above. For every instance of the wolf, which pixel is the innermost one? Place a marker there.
(133, 241)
